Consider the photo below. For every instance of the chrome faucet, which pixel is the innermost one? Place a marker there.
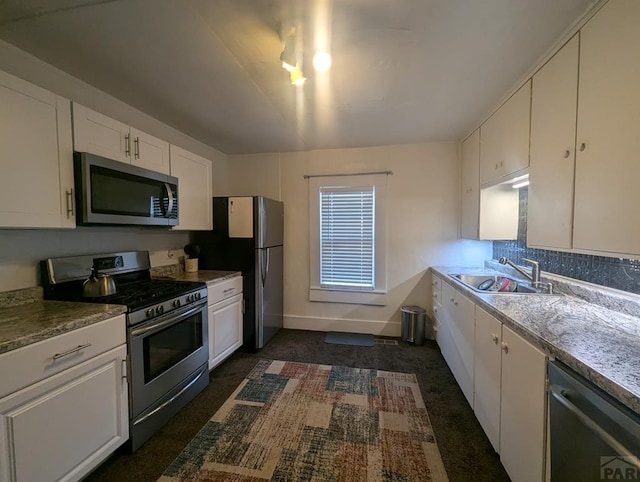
(535, 268)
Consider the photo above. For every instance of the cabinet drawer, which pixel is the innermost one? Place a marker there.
(224, 289)
(436, 290)
(40, 360)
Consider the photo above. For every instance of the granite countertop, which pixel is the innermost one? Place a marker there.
(27, 323)
(600, 343)
(204, 276)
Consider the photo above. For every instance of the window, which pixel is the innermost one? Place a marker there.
(348, 239)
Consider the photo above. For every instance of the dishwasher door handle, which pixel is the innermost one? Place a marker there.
(559, 395)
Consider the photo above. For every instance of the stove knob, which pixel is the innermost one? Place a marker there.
(159, 310)
(150, 312)
(190, 298)
(176, 303)
(198, 296)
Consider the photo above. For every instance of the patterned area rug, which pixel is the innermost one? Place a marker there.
(292, 421)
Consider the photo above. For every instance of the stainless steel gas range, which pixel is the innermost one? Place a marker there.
(167, 332)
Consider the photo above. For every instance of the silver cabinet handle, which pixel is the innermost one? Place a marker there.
(127, 145)
(229, 290)
(69, 194)
(582, 147)
(505, 347)
(136, 148)
(567, 153)
(70, 352)
(495, 338)
(124, 369)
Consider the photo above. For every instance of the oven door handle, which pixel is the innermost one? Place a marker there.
(164, 321)
(560, 396)
(157, 409)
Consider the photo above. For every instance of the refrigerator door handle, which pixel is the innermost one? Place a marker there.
(263, 225)
(266, 271)
(263, 268)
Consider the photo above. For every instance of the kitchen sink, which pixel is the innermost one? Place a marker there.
(474, 280)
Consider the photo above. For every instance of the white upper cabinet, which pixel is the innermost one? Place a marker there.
(98, 134)
(606, 217)
(504, 138)
(149, 152)
(553, 131)
(36, 155)
(470, 186)
(194, 189)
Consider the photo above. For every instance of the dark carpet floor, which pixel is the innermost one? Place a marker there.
(466, 452)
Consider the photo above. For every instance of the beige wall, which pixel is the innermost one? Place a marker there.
(423, 225)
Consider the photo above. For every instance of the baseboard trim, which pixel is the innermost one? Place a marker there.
(345, 325)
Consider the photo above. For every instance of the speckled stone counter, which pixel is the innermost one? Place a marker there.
(204, 276)
(27, 323)
(598, 342)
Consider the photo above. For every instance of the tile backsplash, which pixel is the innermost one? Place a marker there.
(619, 273)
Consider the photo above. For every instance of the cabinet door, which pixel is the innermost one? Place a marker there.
(522, 408)
(470, 185)
(447, 313)
(36, 189)
(553, 130)
(459, 320)
(98, 134)
(608, 159)
(462, 332)
(149, 152)
(225, 329)
(194, 189)
(486, 375)
(64, 426)
(504, 138)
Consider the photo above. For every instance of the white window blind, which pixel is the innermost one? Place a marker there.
(347, 237)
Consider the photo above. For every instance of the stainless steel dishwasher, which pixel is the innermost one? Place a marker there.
(593, 436)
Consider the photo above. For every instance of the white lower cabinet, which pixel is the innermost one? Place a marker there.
(458, 316)
(502, 376)
(487, 373)
(522, 408)
(63, 426)
(225, 320)
(510, 397)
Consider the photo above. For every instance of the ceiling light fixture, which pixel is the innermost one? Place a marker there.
(322, 61)
(288, 55)
(297, 76)
(518, 185)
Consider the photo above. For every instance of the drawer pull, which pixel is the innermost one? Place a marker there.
(228, 290)
(69, 352)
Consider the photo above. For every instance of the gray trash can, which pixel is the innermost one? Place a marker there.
(413, 324)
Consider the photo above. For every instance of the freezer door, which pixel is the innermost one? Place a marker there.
(269, 300)
(270, 222)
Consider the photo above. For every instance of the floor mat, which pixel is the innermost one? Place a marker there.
(290, 421)
(357, 339)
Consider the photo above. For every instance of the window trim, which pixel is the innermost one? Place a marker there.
(377, 296)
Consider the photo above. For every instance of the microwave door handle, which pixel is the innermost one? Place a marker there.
(167, 213)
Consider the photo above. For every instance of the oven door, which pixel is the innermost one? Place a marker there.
(164, 352)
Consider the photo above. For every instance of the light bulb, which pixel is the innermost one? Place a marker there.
(322, 61)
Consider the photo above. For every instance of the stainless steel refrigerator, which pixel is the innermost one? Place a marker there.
(247, 236)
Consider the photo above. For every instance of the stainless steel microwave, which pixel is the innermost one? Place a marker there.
(112, 192)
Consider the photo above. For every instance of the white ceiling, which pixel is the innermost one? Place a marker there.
(403, 71)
